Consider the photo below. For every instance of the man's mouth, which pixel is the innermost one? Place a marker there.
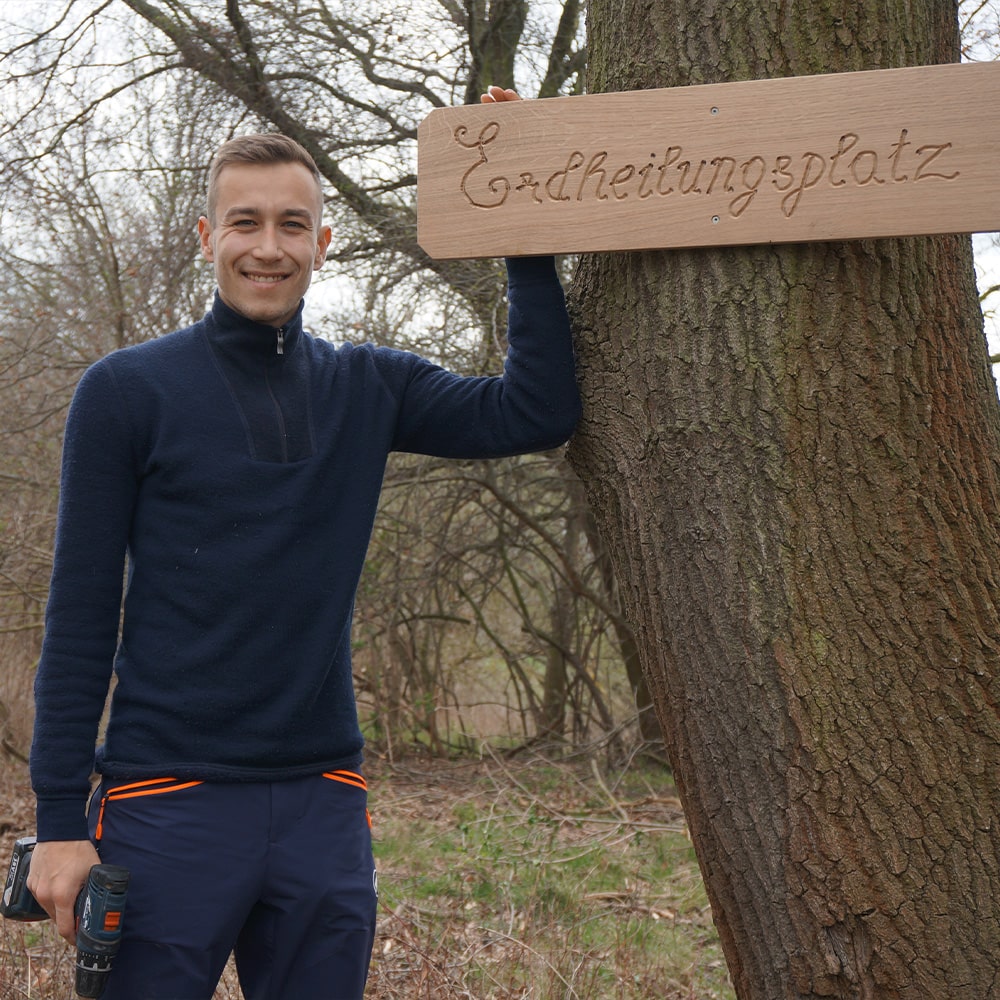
(264, 279)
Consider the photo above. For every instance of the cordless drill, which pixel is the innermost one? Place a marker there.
(99, 909)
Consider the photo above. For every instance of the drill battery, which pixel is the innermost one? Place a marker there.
(99, 909)
(17, 902)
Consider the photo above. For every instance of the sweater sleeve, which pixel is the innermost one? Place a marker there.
(97, 492)
(533, 406)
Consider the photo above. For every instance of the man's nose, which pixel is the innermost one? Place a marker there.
(268, 243)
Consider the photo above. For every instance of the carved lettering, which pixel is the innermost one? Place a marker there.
(864, 168)
(622, 176)
(685, 169)
(727, 184)
(897, 152)
(594, 169)
(574, 162)
(935, 152)
(742, 202)
(498, 187)
(850, 162)
(644, 173)
(847, 142)
(668, 161)
(783, 177)
(528, 183)
(813, 168)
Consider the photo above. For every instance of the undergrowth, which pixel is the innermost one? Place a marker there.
(534, 881)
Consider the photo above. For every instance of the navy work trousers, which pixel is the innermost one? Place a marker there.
(280, 874)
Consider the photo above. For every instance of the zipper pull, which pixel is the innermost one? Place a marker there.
(281, 340)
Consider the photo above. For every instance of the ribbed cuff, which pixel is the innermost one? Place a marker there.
(61, 819)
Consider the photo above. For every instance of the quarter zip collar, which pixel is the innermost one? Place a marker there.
(232, 331)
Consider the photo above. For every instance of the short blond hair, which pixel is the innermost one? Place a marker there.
(258, 148)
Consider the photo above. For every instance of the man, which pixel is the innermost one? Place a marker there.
(238, 464)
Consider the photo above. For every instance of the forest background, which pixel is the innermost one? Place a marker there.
(488, 621)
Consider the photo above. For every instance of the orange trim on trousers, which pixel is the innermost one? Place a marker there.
(137, 788)
(350, 778)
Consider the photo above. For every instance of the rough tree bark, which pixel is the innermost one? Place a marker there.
(794, 455)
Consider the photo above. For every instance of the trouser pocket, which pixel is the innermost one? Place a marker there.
(355, 780)
(133, 790)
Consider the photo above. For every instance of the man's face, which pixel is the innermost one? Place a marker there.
(266, 238)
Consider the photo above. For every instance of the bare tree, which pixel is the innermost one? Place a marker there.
(96, 252)
(352, 87)
(800, 475)
(798, 492)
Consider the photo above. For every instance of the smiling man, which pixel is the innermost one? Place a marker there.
(235, 466)
(263, 232)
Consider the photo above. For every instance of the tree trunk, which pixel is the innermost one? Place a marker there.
(649, 727)
(794, 456)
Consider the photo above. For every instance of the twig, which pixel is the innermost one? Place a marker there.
(527, 947)
(615, 804)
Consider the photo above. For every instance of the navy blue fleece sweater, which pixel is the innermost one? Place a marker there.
(242, 483)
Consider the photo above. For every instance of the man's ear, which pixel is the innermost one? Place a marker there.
(205, 236)
(322, 243)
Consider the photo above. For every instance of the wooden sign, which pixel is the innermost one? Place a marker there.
(849, 155)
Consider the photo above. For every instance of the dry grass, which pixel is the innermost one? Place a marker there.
(498, 881)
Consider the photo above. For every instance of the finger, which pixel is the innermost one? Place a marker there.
(61, 907)
(44, 901)
(494, 95)
(66, 923)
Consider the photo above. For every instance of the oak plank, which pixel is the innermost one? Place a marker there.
(839, 156)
